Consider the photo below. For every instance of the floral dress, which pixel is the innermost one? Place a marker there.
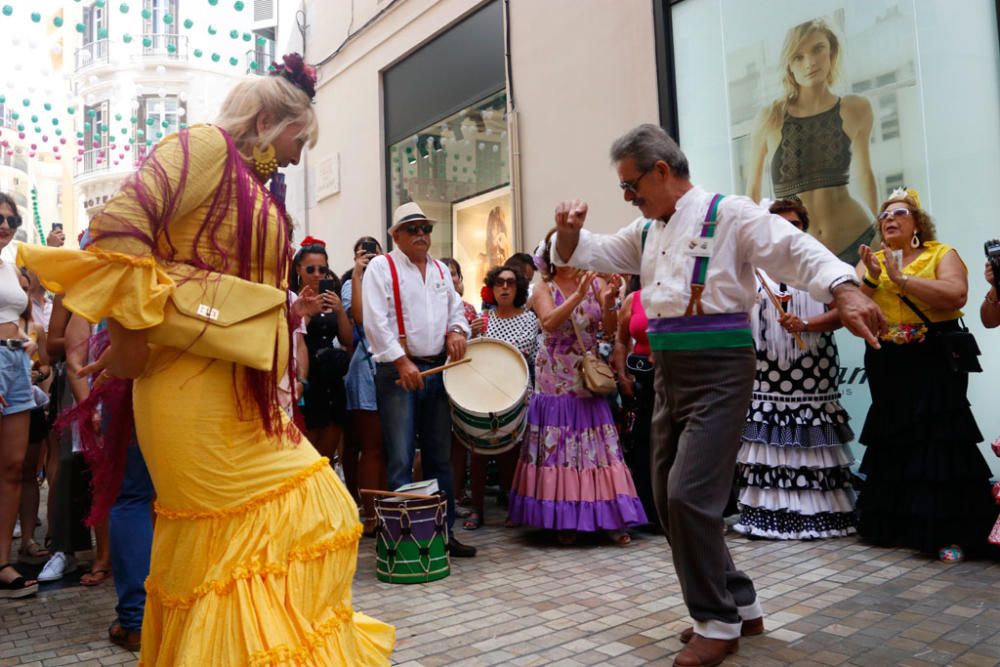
(571, 474)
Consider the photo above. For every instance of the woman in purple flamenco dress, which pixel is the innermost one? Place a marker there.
(571, 476)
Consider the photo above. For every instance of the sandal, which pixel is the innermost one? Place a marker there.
(19, 587)
(473, 521)
(620, 537)
(95, 577)
(129, 640)
(33, 552)
(951, 554)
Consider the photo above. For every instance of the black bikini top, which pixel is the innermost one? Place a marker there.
(814, 153)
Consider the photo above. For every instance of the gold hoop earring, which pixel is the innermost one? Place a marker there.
(264, 161)
(915, 241)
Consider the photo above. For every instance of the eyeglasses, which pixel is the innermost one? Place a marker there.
(505, 282)
(425, 228)
(633, 185)
(323, 270)
(894, 213)
(13, 221)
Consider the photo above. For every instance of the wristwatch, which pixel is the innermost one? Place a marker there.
(844, 279)
(805, 325)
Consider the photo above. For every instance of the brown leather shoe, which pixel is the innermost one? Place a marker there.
(129, 640)
(705, 652)
(750, 628)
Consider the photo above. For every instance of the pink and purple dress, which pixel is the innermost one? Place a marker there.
(571, 474)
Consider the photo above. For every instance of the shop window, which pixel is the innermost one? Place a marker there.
(458, 170)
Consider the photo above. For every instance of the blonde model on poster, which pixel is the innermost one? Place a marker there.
(817, 141)
(497, 243)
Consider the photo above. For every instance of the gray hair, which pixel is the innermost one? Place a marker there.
(647, 145)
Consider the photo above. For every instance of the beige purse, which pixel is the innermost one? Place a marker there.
(597, 375)
(219, 316)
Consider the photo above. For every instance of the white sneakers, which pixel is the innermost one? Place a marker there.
(58, 566)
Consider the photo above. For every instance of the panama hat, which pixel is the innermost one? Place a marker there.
(407, 213)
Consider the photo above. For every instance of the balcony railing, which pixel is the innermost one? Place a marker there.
(165, 45)
(258, 60)
(92, 54)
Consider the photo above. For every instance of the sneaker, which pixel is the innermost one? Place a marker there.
(58, 566)
(17, 529)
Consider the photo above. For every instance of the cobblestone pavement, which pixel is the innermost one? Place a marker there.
(526, 601)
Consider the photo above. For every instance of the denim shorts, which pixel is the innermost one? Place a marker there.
(15, 381)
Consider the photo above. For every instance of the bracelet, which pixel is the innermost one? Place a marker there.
(867, 280)
(904, 283)
(805, 325)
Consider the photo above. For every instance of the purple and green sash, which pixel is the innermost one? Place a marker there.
(700, 332)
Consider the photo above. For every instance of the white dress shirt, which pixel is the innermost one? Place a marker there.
(431, 307)
(746, 236)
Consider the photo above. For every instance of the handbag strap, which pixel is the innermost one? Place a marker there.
(923, 318)
(576, 327)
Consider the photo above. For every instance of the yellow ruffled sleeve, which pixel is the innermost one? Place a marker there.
(99, 284)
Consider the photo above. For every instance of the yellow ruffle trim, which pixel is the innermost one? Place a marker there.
(345, 538)
(282, 655)
(287, 486)
(122, 258)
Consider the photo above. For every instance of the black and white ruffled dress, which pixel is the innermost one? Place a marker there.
(793, 464)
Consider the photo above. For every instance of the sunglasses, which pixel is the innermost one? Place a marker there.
(894, 213)
(425, 228)
(505, 282)
(13, 221)
(313, 269)
(633, 185)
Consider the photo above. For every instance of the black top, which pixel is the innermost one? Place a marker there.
(814, 153)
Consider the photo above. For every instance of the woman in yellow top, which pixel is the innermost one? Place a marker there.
(256, 538)
(926, 483)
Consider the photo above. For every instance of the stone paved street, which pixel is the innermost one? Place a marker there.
(526, 601)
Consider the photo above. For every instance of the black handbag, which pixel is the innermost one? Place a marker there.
(960, 349)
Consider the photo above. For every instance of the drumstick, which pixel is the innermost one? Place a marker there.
(777, 304)
(414, 496)
(438, 369)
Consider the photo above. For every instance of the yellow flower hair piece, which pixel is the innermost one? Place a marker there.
(908, 193)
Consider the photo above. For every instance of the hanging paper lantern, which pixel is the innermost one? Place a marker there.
(3, 98)
(71, 110)
(146, 13)
(213, 2)
(99, 3)
(261, 41)
(79, 135)
(26, 102)
(188, 23)
(37, 129)
(253, 65)
(247, 37)
(168, 18)
(216, 57)
(147, 42)
(20, 127)
(118, 116)
(198, 53)
(80, 28)
(123, 8)
(15, 115)
(124, 130)
(234, 61)
(165, 124)
(238, 5)
(62, 140)
(58, 132)
(34, 146)
(35, 17)
(45, 138)
(7, 10)
(55, 121)
(57, 21)
(127, 38)
(34, 118)
(20, 135)
(47, 106)
(212, 30)
(171, 47)
(234, 34)
(102, 33)
(86, 127)
(150, 122)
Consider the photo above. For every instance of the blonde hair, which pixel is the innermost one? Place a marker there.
(924, 225)
(793, 40)
(286, 103)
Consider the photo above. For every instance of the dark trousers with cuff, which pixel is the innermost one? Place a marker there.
(701, 402)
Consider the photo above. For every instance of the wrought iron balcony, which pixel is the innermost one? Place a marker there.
(94, 53)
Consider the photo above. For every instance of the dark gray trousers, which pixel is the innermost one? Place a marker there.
(702, 398)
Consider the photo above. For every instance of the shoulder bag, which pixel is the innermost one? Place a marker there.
(960, 349)
(220, 316)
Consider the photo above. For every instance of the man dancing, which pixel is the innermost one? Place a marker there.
(695, 252)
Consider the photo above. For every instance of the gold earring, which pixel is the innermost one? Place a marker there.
(264, 162)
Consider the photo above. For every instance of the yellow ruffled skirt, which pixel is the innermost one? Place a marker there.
(256, 539)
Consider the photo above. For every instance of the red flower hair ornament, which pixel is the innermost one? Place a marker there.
(309, 240)
(486, 294)
(296, 71)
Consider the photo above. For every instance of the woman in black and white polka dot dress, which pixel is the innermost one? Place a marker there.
(793, 465)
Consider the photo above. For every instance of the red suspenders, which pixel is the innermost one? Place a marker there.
(400, 325)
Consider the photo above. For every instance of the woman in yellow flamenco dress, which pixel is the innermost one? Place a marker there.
(256, 538)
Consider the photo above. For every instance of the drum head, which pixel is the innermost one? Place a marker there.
(494, 381)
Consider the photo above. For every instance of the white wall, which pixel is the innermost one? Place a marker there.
(574, 95)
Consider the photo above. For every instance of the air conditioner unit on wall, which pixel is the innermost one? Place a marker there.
(264, 14)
